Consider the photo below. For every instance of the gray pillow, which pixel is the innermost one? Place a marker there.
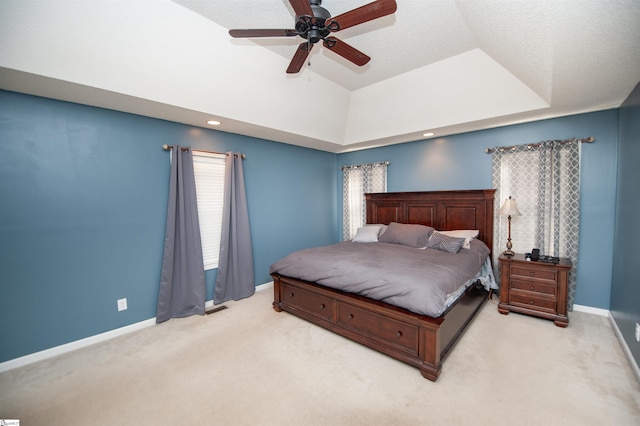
(443, 242)
(407, 234)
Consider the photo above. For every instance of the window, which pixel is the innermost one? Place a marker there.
(357, 181)
(208, 169)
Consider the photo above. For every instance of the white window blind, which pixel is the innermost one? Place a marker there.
(208, 169)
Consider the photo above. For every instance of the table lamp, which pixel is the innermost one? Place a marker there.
(509, 208)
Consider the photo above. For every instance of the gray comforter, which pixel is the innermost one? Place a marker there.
(415, 279)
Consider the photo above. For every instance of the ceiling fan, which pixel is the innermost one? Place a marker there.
(314, 23)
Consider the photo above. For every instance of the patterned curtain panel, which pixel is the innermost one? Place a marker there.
(357, 181)
(544, 179)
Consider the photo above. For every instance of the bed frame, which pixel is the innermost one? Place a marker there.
(418, 340)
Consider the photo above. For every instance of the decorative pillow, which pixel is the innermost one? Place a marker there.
(407, 234)
(367, 234)
(467, 234)
(442, 242)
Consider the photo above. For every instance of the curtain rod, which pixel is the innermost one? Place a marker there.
(167, 147)
(590, 139)
(386, 163)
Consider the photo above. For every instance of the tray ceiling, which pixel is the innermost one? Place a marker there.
(443, 66)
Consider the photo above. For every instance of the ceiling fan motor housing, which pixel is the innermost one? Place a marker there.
(313, 31)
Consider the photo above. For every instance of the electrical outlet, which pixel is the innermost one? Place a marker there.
(122, 304)
(638, 332)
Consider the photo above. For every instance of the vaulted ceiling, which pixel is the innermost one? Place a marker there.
(443, 66)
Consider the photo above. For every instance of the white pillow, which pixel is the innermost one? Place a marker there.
(467, 234)
(367, 234)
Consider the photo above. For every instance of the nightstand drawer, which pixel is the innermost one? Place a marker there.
(534, 286)
(541, 274)
(533, 301)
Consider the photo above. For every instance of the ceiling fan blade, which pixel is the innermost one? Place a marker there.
(346, 51)
(368, 12)
(299, 57)
(302, 7)
(262, 33)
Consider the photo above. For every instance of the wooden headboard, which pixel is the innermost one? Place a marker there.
(442, 210)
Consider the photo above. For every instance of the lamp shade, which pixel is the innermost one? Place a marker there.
(509, 207)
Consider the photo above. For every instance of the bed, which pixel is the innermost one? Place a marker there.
(418, 339)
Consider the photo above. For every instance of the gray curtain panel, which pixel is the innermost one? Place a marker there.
(182, 287)
(235, 279)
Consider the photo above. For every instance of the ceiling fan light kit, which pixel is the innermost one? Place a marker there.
(315, 23)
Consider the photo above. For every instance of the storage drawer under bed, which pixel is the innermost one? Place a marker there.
(308, 301)
(382, 329)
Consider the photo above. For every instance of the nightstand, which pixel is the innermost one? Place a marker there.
(534, 288)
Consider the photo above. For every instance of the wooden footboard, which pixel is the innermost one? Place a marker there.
(417, 340)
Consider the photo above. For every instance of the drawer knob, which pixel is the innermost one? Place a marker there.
(290, 294)
(531, 302)
(322, 306)
(531, 288)
(531, 273)
(399, 334)
(350, 316)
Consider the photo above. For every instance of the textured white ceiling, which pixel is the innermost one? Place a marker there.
(448, 66)
(435, 29)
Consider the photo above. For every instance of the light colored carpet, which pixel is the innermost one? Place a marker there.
(249, 365)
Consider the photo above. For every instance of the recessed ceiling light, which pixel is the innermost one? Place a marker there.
(213, 123)
(426, 135)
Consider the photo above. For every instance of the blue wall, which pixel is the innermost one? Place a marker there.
(625, 289)
(83, 203)
(460, 162)
(83, 195)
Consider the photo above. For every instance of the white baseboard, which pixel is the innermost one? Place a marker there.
(264, 286)
(91, 340)
(261, 287)
(72, 346)
(625, 347)
(590, 310)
